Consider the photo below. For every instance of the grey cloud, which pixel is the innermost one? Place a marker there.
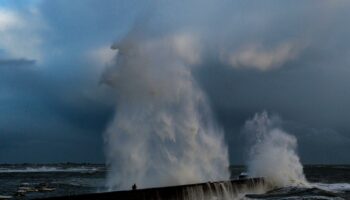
(16, 62)
(255, 56)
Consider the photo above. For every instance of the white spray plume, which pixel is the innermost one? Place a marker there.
(162, 132)
(273, 152)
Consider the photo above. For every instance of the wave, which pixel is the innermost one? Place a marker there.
(317, 191)
(47, 169)
(328, 166)
(333, 187)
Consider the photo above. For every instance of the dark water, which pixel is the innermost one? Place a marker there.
(35, 181)
(62, 179)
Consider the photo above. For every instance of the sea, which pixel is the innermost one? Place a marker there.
(33, 181)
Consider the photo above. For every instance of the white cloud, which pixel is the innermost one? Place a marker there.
(8, 20)
(19, 34)
(256, 56)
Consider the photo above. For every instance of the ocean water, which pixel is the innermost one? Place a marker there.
(57, 179)
(30, 181)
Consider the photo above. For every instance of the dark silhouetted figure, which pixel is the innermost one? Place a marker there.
(134, 187)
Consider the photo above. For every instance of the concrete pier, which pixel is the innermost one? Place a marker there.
(209, 190)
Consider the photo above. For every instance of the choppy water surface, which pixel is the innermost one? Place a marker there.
(28, 181)
(50, 180)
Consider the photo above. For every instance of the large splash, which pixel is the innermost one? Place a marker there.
(273, 152)
(162, 132)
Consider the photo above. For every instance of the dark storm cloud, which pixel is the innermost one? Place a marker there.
(53, 111)
(41, 122)
(16, 62)
(288, 58)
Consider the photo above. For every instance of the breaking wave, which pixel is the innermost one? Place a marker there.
(273, 153)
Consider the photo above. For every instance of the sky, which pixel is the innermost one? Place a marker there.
(291, 59)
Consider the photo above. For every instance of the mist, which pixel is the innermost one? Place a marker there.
(163, 132)
(272, 152)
